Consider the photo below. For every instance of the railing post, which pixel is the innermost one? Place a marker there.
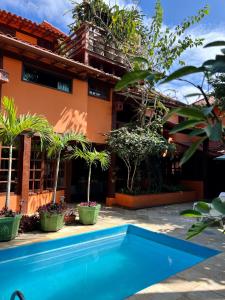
(86, 48)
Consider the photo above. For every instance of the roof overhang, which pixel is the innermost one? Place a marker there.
(36, 53)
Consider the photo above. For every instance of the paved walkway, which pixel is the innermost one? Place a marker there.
(204, 281)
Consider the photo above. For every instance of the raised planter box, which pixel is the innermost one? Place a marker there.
(150, 200)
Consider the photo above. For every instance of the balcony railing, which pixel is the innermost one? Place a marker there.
(92, 39)
(4, 76)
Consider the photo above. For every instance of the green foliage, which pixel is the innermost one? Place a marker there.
(206, 213)
(133, 145)
(59, 142)
(92, 157)
(184, 71)
(123, 26)
(12, 125)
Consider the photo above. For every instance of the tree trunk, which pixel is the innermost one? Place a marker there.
(56, 178)
(133, 176)
(89, 184)
(7, 202)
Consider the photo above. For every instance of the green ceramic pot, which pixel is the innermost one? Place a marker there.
(51, 222)
(88, 215)
(9, 227)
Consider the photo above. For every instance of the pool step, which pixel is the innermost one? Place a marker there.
(17, 294)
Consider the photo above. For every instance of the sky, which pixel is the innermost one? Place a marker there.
(211, 28)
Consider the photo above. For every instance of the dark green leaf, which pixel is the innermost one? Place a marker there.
(132, 77)
(215, 44)
(190, 213)
(207, 110)
(185, 125)
(209, 62)
(203, 207)
(197, 228)
(219, 205)
(193, 95)
(215, 131)
(187, 70)
(191, 150)
(191, 113)
(197, 131)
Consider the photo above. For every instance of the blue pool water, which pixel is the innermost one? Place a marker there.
(109, 264)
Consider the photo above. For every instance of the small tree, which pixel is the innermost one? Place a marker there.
(57, 144)
(13, 125)
(92, 158)
(133, 145)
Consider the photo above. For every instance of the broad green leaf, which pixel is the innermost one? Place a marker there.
(219, 205)
(197, 228)
(193, 95)
(218, 66)
(208, 62)
(214, 131)
(203, 207)
(197, 131)
(190, 112)
(185, 125)
(187, 70)
(191, 213)
(207, 110)
(215, 44)
(132, 77)
(191, 150)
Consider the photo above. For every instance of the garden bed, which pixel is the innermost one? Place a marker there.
(151, 200)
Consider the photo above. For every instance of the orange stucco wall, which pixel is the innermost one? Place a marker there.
(65, 111)
(99, 119)
(14, 201)
(26, 38)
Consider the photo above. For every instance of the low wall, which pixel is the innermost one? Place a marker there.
(195, 185)
(34, 201)
(150, 200)
(37, 200)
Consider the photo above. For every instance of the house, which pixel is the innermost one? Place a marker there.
(69, 79)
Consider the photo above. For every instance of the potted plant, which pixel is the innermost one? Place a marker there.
(70, 217)
(52, 215)
(89, 211)
(11, 126)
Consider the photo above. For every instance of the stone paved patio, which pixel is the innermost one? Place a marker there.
(204, 281)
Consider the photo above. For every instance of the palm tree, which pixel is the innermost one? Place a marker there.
(13, 125)
(91, 158)
(57, 144)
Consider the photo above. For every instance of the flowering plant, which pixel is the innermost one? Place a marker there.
(90, 204)
(52, 208)
(5, 212)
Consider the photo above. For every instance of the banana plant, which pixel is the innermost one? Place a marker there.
(208, 214)
(203, 122)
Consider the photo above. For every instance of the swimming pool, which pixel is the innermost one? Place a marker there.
(109, 264)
